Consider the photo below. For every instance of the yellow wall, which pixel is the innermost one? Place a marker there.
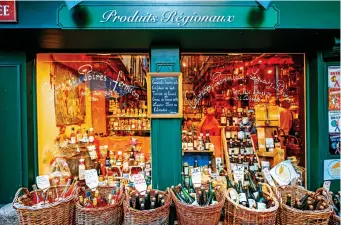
(47, 129)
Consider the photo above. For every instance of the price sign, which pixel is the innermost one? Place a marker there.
(326, 185)
(140, 182)
(238, 175)
(196, 177)
(91, 178)
(43, 182)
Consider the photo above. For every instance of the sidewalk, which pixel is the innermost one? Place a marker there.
(8, 216)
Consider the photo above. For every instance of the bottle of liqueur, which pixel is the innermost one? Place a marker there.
(184, 140)
(186, 169)
(276, 140)
(236, 145)
(195, 163)
(91, 135)
(195, 142)
(245, 162)
(233, 162)
(73, 138)
(288, 202)
(227, 134)
(248, 147)
(230, 117)
(81, 169)
(210, 167)
(207, 141)
(190, 144)
(223, 119)
(231, 147)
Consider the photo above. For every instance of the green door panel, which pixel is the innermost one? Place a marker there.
(165, 133)
(12, 135)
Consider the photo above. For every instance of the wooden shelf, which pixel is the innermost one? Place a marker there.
(196, 151)
(112, 116)
(267, 154)
(130, 130)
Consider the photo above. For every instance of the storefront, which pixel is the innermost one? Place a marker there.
(84, 85)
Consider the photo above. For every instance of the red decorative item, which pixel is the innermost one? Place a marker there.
(8, 11)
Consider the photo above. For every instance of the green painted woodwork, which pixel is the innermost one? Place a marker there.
(293, 14)
(13, 120)
(165, 133)
(161, 16)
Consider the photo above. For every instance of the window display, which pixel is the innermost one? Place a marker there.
(92, 114)
(243, 111)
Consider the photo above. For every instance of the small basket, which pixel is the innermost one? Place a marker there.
(108, 215)
(158, 216)
(291, 216)
(334, 219)
(60, 212)
(236, 214)
(199, 215)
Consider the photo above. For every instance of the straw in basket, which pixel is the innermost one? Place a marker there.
(292, 216)
(236, 214)
(108, 215)
(158, 216)
(60, 212)
(199, 215)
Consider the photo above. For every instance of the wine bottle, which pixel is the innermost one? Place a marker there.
(241, 194)
(186, 195)
(251, 202)
(176, 194)
(146, 201)
(210, 198)
(228, 182)
(137, 201)
(162, 202)
(288, 202)
(142, 207)
(260, 200)
(152, 205)
(156, 196)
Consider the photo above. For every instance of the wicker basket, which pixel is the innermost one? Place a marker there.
(291, 216)
(108, 215)
(199, 215)
(61, 212)
(236, 214)
(334, 219)
(158, 216)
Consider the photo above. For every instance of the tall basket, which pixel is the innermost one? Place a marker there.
(107, 215)
(199, 215)
(158, 216)
(60, 212)
(292, 216)
(236, 214)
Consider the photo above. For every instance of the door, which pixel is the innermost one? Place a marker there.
(12, 76)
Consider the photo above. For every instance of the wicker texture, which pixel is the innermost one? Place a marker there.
(158, 216)
(57, 213)
(291, 216)
(236, 214)
(334, 220)
(107, 215)
(199, 215)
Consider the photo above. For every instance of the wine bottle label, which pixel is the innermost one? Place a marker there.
(233, 196)
(186, 170)
(223, 120)
(236, 151)
(228, 134)
(81, 174)
(252, 168)
(233, 166)
(252, 203)
(242, 197)
(261, 205)
(207, 146)
(73, 140)
(255, 194)
(277, 145)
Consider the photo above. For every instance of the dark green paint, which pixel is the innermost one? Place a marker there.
(13, 120)
(165, 133)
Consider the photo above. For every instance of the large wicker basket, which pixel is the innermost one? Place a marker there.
(236, 214)
(291, 216)
(107, 215)
(199, 215)
(61, 212)
(334, 220)
(158, 216)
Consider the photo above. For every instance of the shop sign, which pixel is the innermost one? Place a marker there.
(8, 11)
(334, 121)
(156, 16)
(164, 95)
(332, 169)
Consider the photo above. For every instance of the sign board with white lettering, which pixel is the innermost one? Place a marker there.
(43, 182)
(140, 183)
(91, 178)
(8, 11)
(164, 95)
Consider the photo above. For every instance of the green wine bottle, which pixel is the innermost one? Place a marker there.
(228, 182)
(177, 195)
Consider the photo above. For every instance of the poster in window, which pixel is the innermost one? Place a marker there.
(334, 96)
(334, 121)
(334, 77)
(334, 144)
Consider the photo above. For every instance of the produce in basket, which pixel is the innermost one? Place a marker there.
(250, 194)
(310, 201)
(336, 203)
(200, 197)
(149, 200)
(88, 200)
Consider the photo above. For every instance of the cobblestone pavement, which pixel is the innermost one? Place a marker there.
(8, 216)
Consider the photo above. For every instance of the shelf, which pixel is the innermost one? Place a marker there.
(267, 154)
(111, 116)
(196, 151)
(129, 130)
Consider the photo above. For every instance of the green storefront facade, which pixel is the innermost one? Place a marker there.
(306, 27)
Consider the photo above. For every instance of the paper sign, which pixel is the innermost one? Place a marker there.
(334, 77)
(238, 175)
(268, 177)
(326, 185)
(43, 182)
(140, 183)
(283, 173)
(91, 178)
(196, 178)
(334, 121)
(331, 169)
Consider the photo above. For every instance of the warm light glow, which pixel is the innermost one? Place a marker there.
(184, 64)
(241, 68)
(195, 69)
(260, 61)
(269, 71)
(119, 152)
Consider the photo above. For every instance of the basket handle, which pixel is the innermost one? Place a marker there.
(15, 199)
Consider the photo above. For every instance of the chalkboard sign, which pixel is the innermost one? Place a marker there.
(164, 95)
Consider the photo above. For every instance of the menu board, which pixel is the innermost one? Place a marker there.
(165, 95)
(334, 115)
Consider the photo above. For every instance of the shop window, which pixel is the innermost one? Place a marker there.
(241, 109)
(92, 109)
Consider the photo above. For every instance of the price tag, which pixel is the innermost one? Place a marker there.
(326, 185)
(268, 177)
(43, 182)
(238, 175)
(196, 178)
(140, 182)
(91, 178)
